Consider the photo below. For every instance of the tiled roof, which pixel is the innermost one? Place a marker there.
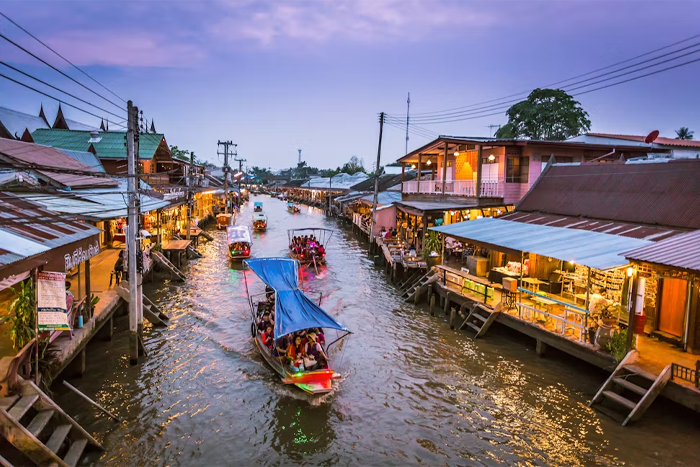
(107, 144)
(16, 122)
(681, 251)
(664, 193)
(660, 140)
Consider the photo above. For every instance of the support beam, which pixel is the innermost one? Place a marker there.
(419, 170)
(88, 289)
(444, 168)
(478, 172)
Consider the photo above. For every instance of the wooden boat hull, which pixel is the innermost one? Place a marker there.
(312, 382)
(307, 260)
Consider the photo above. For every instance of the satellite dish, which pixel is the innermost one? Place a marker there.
(651, 137)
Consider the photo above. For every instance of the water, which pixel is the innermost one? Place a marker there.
(413, 391)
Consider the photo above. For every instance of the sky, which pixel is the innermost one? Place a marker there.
(275, 76)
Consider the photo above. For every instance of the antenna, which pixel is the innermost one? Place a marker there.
(408, 111)
(491, 127)
(299, 155)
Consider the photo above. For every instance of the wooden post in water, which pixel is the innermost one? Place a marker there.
(447, 302)
(453, 314)
(431, 299)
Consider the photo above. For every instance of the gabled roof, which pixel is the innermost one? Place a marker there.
(35, 157)
(681, 251)
(688, 143)
(663, 193)
(16, 122)
(107, 144)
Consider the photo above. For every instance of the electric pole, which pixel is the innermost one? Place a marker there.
(190, 182)
(240, 170)
(408, 111)
(227, 169)
(132, 229)
(491, 127)
(376, 179)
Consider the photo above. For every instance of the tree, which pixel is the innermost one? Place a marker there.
(180, 154)
(546, 114)
(684, 133)
(354, 165)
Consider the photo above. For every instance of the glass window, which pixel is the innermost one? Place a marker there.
(517, 169)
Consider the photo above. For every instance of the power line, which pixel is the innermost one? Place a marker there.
(562, 81)
(61, 56)
(59, 71)
(57, 89)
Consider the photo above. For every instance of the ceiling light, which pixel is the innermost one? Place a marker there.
(429, 162)
(456, 153)
(492, 158)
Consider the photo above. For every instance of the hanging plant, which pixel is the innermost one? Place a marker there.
(21, 315)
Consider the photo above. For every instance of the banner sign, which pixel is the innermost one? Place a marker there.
(51, 301)
(81, 255)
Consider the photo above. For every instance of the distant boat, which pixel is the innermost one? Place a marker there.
(259, 221)
(240, 241)
(224, 220)
(293, 311)
(257, 206)
(291, 208)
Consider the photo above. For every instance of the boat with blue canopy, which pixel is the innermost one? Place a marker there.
(291, 207)
(257, 206)
(286, 311)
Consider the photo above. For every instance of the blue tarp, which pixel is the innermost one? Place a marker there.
(294, 311)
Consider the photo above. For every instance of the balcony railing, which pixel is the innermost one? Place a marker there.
(467, 188)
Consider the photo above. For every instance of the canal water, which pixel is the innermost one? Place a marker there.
(413, 391)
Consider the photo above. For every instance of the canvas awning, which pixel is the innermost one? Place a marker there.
(594, 249)
(294, 311)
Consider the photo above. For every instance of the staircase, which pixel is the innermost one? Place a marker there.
(414, 286)
(41, 430)
(150, 311)
(206, 235)
(630, 389)
(163, 262)
(479, 319)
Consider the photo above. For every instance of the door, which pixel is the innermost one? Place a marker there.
(672, 306)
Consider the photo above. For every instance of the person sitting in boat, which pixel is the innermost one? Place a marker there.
(269, 293)
(268, 337)
(266, 321)
(281, 346)
(295, 354)
(314, 349)
(320, 250)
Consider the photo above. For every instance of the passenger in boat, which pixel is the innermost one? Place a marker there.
(269, 293)
(320, 250)
(268, 337)
(295, 354)
(320, 337)
(314, 349)
(281, 346)
(267, 320)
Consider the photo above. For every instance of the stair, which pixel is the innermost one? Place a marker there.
(479, 319)
(206, 235)
(41, 430)
(630, 389)
(163, 261)
(416, 286)
(150, 311)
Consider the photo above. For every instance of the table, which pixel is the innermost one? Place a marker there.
(177, 246)
(580, 296)
(497, 275)
(533, 282)
(544, 302)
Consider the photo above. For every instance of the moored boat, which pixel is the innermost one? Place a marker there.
(240, 241)
(259, 221)
(294, 312)
(292, 208)
(308, 245)
(224, 220)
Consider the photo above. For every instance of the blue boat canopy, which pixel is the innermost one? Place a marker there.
(294, 311)
(257, 204)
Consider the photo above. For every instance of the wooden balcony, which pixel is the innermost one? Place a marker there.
(464, 188)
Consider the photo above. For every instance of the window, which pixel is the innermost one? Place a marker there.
(517, 168)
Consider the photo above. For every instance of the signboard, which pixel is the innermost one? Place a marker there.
(51, 301)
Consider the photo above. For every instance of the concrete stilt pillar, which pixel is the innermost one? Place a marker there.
(77, 366)
(540, 348)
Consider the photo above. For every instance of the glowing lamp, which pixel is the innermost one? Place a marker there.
(630, 271)
(413, 167)
(492, 157)
(457, 153)
(429, 162)
(572, 262)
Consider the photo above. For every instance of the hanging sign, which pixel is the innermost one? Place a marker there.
(51, 301)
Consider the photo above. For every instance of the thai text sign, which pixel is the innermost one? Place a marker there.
(51, 301)
(80, 255)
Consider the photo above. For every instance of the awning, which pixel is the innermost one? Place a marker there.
(350, 196)
(294, 311)
(593, 249)
(419, 208)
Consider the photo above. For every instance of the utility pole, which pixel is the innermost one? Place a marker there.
(227, 169)
(190, 182)
(240, 169)
(132, 228)
(408, 111)
(491, 127)
(376, 179)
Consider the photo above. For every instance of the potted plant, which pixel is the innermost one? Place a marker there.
(432, 248)
(617, 345)
(21, 315)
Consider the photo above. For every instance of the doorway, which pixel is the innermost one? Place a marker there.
(672, 306)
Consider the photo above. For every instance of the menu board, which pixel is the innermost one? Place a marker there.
(51, 301)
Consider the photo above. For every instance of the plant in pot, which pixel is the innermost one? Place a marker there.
(432, 248)
(21, 315)
(617, 345)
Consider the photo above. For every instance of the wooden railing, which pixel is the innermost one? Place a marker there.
(574, 318)
(467, 188)
(687, 374)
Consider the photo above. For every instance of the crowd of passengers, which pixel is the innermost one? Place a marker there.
(307, 246)
(301, 351)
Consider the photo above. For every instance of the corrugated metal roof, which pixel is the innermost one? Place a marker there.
(108, 144)
(341, 181)
(349, 196)
(384, 198)
(612, 227)
(86, 158)
(16, 122)
(593, 249)
(681, 251)
(385, 181)
(663, 194)
(27, 230)
(434, 205)
(96, 203)
(688, 143)
(19, 153)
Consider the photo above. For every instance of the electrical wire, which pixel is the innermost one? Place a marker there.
(61, 56)
(57, 89)
(59, 71)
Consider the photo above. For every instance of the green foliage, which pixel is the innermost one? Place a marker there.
(546, 114)
(432, 243)
(684, 133)
(617, 345)
(354, 165)
(180, 154)
(22, 312)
